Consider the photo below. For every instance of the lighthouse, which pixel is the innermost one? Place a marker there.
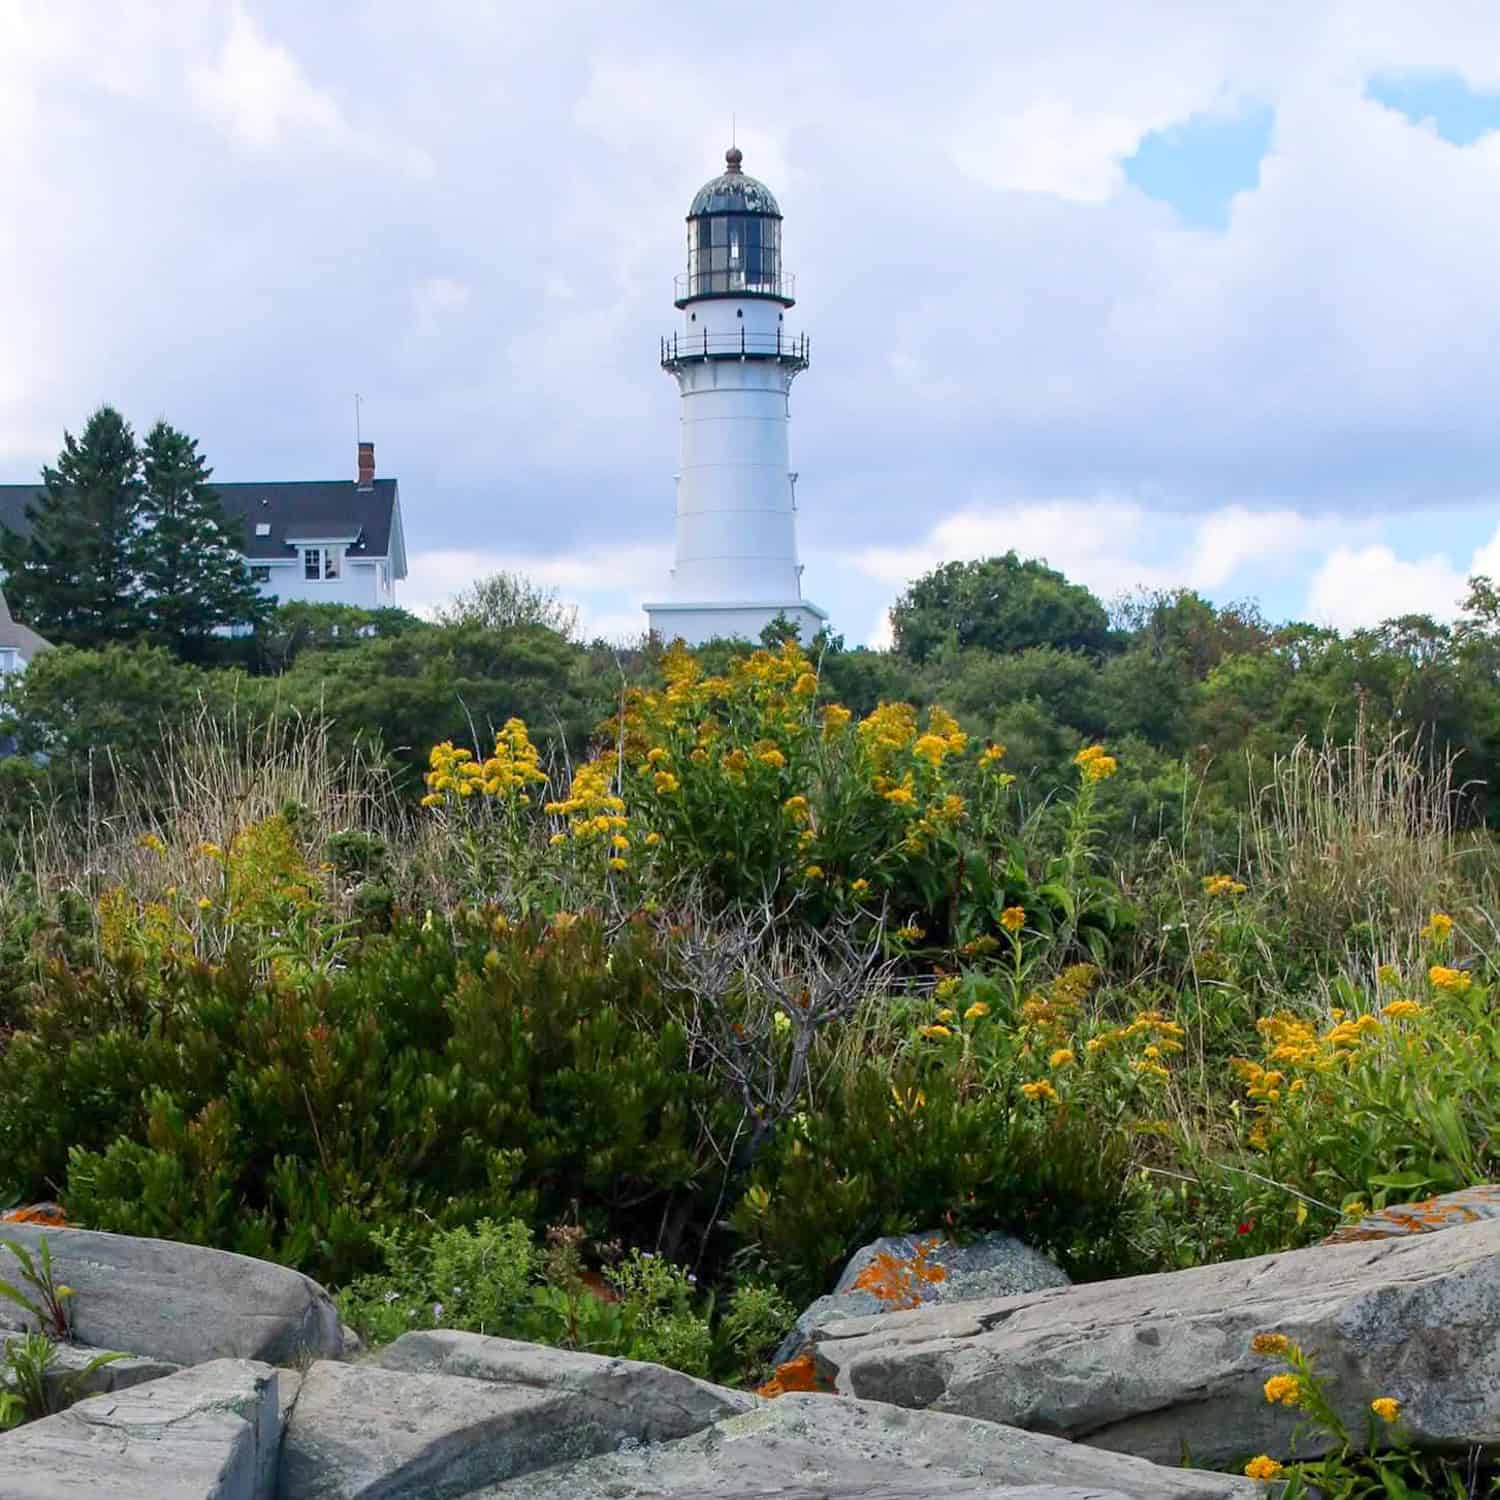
(734, 359)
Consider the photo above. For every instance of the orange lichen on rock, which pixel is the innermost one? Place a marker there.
(800, 1374)
(898, 1281)
(1467, 1206)
(50, 1214)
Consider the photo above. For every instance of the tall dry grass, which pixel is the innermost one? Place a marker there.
(1355, 845)
(142, 828)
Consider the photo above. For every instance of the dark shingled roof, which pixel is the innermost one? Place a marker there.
(294, 509)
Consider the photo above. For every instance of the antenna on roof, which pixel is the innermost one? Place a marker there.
(357, 433)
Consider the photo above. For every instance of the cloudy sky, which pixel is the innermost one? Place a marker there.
(1183, 294)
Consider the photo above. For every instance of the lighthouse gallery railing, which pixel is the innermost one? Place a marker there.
(677, 349)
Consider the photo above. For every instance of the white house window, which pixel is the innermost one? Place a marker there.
(260, 574)
(320, 564)
(9, 660)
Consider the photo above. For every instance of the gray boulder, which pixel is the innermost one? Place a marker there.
(182, 1303)
(1153, 1365)
(69, 1361)
(436, 1414)
(209, 1433)
(996, 1265)
(825, 1446)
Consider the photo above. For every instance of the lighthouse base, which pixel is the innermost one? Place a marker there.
(693, 624)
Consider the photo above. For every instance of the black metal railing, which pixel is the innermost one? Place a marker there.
(731, 283)
(790, 349)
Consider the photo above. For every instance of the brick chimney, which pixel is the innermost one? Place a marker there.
(366, 466)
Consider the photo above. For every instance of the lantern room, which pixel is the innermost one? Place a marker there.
(734, 239)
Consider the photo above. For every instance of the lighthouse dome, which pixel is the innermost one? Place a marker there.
(734, 191)
(734, 239)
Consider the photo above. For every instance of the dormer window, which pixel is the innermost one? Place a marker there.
(320, 564)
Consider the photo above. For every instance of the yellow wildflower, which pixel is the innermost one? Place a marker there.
(1387, 1408)
(204, 903)
(1040, 1089)
(1270, 1343)
(772, 757)
(620, 842)
(1448, 979)
(433, 799)
(934, 1033)
(558, 838)
(859, 887)
(655, 755)
(564, 920)
(991, 755)
(152, 842)
(1401, 1010)
(1095, 764)
(665, 783)
(911, 933)
(931, 748)
(1439, 926)
(1388, 974)
(619, 864)
(976, 1011)
(805, 686)
(781, 1021)
(652, 840)
(1223, 885)
(947, 1013)
(835, 719)
(210, 850)
(814, 872)
(901, 795)
(1284, 1390)
(1013, 918)
(1264, 1467)
(1061, 1058)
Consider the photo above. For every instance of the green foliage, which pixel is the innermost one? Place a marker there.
(491, 1279)
(192, 577)
(73, 578)
(1001, 604)
(46, 1300)
(509, 601)
(30, 1388)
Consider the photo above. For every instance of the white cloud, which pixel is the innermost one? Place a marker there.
(433, 300)
(1359, 586)
(259, 95)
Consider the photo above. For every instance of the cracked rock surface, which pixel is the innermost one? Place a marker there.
(1151, 1365)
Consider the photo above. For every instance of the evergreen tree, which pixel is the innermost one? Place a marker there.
(193, 578)
(73, 579)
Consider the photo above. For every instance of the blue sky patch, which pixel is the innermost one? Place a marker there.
(1199, 165)
(1457, 112)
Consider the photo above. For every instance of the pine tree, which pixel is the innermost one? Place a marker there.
(192, 575)
(73, 579)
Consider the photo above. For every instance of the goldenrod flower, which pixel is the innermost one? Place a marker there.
(1270, 1343)
(558, 838)
(781, 1021)
(772, 757)
(620, 842)
(991, 755)
(901, 795)
(805, 686)
(1387, 1408)
(859, 887)
(1264, 1467)
(655, 755)
(152, 842)
(1439, 926)
(1448, 979)
(1040, 1089)
(1095, 764)
(1388, 974)
(1013, 918)
(934, 1033)
(814, 872)
(652, 840)
(1284, 1390)
(665, 783)
(911, 933)
(976, 1011)
(1402, 1010)
(946, 1014)
(1061, 1058)
(210, 850)
(619, 864)
(1223, 885)
(204, 903)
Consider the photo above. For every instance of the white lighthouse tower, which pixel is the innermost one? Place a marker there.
(735, 360)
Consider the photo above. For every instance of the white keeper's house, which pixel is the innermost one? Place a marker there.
(734, 358)
(325, 541)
